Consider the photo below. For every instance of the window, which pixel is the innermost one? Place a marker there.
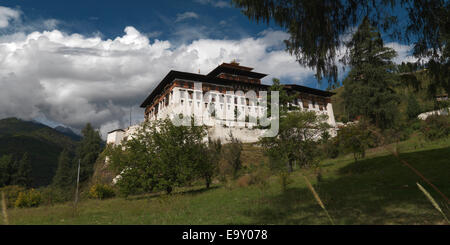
(305, 103)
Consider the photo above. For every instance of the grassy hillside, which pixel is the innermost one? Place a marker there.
(376, 190)
(42, 143)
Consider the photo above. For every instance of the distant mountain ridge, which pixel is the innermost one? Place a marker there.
(68, 132)
(42, 143)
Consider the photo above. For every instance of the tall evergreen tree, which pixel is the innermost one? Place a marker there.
(22, 173)
(413, 107)
(6, 162)
(316, 28)
(64, 175)
(368, 89)
(88, 150)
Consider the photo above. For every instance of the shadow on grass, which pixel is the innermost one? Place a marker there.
(379, 190)
(194, 191)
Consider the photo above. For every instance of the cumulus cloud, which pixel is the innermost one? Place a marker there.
(6, 15)
(186, 15)
(404, 52)
(74, 79)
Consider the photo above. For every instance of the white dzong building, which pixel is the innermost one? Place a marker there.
(224, 92)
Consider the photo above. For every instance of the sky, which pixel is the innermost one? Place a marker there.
(72, 62)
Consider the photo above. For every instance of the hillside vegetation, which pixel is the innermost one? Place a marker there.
(374, 190)
(42, 143)
(409, 84)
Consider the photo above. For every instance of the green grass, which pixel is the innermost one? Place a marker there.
(375, 190)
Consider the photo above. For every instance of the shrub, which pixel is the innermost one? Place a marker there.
(28, 199)
(416, 125)
(51, 195)
(256, 175)
(101, 191)
(244, 180)
(232, 155)
(259, 177)
(11, 194)
(285, 180)
(436, 127)
(356, 138)
(331, 148)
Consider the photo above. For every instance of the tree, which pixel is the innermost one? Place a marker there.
(88, 150)
(298, 133)
(6, 162)
(64, 175)
(413, 108)
(232, 155)
(159, 156)
(209, 160)
(355, 139)
(432, 27)
(176, 151)
(22, 174)
(297, 140)
(317, 28)
(284, 98)
(368, 89)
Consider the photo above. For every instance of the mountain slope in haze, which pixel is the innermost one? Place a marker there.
(42, 143)
(68, 132)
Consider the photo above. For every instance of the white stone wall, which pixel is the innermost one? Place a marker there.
(115, 137)
(423, 116)
(245, 135)
(191, 102)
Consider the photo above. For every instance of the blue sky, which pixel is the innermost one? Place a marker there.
(73, 62)
(216, 19)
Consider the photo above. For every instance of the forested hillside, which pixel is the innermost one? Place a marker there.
(42, 143)
(410, 83)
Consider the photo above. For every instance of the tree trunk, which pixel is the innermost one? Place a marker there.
(289, 166)
(208, 182)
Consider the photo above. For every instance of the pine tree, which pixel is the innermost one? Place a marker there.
(22, 173)
(64, 175)
(88, 150)
(316, 29)
(413, 108)
(5, 169)
(368, 88)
